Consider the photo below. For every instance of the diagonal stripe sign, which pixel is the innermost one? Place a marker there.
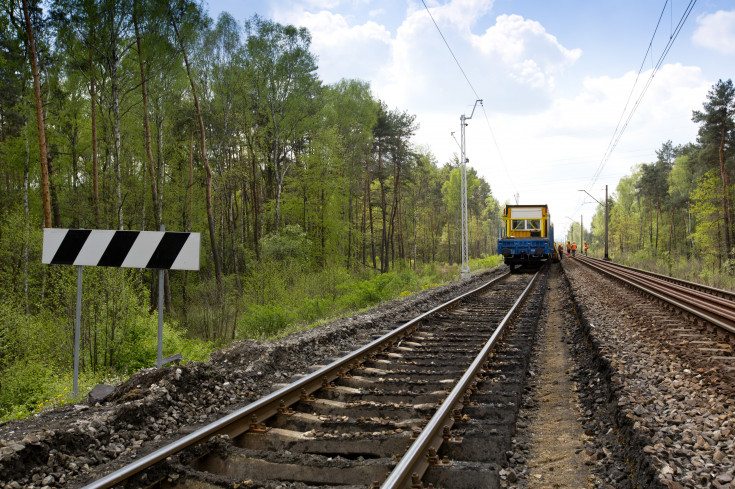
(129, 249)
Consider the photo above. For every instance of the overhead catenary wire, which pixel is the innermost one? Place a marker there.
(477, 96)
(632, 89)
(618, 133)
(450, 51)
(619, 130)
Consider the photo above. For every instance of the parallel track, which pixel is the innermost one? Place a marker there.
(715, 306)
(362, 409)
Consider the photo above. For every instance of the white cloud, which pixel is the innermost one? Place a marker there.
(512, 65)
(461, 14)
(547, 156)
(716, 31)
(523, 46)
(330, 30)
(344, 50)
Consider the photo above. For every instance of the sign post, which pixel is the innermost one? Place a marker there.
(127, 249)
(77, 331)
(159, 359)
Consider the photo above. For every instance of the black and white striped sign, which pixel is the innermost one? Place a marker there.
(130, 249)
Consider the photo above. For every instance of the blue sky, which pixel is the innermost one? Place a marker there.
(554, 77)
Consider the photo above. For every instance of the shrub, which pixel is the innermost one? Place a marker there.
(288, 243)
(23, 387)
(261, 321)
(363, 293)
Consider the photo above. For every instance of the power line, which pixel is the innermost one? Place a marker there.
(450, 50)
(617, 135)
(632, 90)
(487, 120)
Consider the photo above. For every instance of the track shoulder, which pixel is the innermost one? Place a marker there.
(673, 421)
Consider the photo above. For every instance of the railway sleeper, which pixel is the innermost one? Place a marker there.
(464, 475)
(365, 444)
(362, 408)
(307, 421)
(262, 466)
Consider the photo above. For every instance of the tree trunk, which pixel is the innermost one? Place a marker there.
(46, 195)
(725, 189)
(207, 168)
(114, 92)
(658, 215)
(650, 223)
(671, 230)
(191, 181)
(384, 237)
(349, 223)
(95, 172)
(55, 211)
(26, 212)
(255, 196)
(147, 128)
(449, 241)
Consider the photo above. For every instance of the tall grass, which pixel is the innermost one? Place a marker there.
(693, 269)
(304, 298)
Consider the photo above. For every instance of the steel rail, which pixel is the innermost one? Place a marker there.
(725, 294)
(699, 298)
(239, 421)
(708, 312)
(415, 460)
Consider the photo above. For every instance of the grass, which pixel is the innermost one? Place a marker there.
(278, 299)
(692, 269)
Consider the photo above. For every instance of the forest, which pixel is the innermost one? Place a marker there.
(311, 199)
(675, 215)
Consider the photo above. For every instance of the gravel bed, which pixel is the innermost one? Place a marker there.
(64, 447)
(674, 418)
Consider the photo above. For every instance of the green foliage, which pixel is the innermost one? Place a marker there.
(263, 321)
(289, 243)
(23, 387)
(485, 262)
(706, 210)
(362, 293)
(314, 189)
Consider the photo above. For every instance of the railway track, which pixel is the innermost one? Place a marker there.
(711, 334)
(715, 306)
(432, 401)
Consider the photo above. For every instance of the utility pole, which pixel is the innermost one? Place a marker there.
(607, 258)
(581, 230)
(465, 270)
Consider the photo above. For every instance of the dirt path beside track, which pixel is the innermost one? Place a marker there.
(552, 437)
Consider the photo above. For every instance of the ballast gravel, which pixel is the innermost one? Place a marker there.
(70, 446)
(674, 416)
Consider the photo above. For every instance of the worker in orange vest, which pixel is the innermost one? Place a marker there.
(586, 247)
(569, 248)
(574, 248)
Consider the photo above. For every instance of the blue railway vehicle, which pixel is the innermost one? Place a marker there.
(528, 238)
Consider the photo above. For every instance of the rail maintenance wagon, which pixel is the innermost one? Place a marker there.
(528, 237)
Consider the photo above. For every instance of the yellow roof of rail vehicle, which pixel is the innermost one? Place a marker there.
(526, 221)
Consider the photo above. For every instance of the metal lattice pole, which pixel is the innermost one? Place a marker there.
(465, 270)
